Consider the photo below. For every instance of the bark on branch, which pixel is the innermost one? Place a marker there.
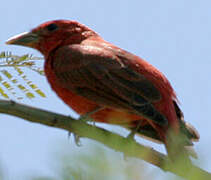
(118, 143)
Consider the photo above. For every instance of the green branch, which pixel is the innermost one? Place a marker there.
(116, 142)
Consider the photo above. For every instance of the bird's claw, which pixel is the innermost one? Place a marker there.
(85, 118)
(68, 135)
(76, 138)
(131, 135)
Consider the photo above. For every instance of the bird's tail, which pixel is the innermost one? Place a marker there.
(182, 143)
(189, 132)
(188, 135)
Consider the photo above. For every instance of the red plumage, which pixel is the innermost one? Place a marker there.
(88, 73)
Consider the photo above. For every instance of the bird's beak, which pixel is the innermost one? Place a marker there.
(24, 39)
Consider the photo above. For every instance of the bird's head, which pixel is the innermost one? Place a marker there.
(52, 34)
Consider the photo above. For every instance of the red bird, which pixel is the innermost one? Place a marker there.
(92, 76)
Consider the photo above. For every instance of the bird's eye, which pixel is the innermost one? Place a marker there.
(52, 27)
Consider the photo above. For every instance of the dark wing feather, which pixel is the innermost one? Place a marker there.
(97, 74)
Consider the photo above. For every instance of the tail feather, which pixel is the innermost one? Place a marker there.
(186, 128)
(193, 132)
(187, 132)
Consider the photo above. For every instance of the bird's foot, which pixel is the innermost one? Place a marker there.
(76, 138)
(86, 117)
(131, 136)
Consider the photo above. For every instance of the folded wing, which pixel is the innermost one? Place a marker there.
(99, 75)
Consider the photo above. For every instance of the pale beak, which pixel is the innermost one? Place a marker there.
(24, 39)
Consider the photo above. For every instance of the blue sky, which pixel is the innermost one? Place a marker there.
(174, 36)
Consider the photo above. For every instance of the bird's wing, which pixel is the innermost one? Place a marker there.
(100, 76)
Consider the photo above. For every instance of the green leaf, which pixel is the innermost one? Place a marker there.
(17, 62)
(30, 95)
(38, 91)
(7, 74)
(3, 93)
(20, 72)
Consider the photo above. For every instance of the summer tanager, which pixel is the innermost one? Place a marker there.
(92, 76)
